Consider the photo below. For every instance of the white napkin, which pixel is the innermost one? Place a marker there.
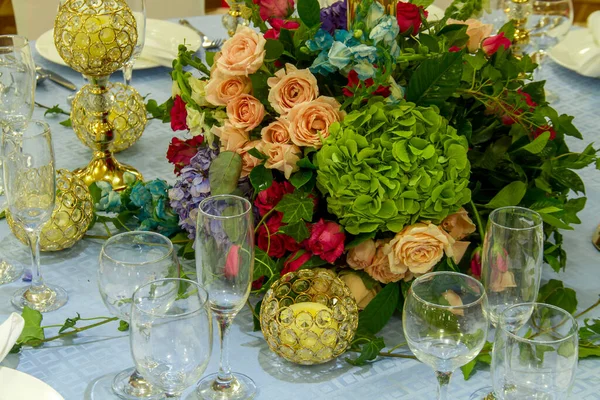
(10, 330)
(593, 23)
(588, 54)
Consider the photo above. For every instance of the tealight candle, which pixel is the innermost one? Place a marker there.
(313, 325)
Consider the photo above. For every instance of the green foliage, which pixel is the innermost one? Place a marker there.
(123, 326)
(464, 9)
(261, 178)
(483, 358)
(33, 333)
(160, 111)
(297, 230)
(555, 293)
(589, 338)
(368, 346)
(296, 207)
(309, 12)
(510, 195)
(379, 311)
(265, 266)
(224, 172)
(435, 80)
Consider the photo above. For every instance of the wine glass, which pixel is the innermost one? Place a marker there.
(171, 334)
(445, 323)
(494, 14)
(29, 178)
(138, 8)
(224, 263)
(128, 261)
(535, 358)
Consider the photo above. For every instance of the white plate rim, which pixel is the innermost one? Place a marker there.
(193, 41)
(567, 62)
(19, 377)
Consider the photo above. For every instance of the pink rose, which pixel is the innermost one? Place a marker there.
(361, 256)
(178, 115)
(272, 34)
(476, 30)
(279, 24)
(275, 8)
(232, 138)
(476, 263)
(221, 89)
(326, 240)
(277, 131)
(245, 112)
(310, 122)
(232, 264)
(458, 225)
(248, 160)
(243, 54)
(295, 261)
(492, 44)
(291, 86)
(282, 157)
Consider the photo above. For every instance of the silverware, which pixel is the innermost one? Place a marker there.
(42, 74)
(207, 43)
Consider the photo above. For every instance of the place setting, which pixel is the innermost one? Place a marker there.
(336, 198)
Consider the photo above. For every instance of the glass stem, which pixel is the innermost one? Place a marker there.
(224, 376)
(37, 282)
(540, 59)
(128, 72)
(443, 379)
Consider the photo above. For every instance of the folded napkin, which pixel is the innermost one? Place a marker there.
(588, 54)
(593, 23)
(10, 330)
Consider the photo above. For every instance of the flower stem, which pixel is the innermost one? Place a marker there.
(252, 309)
(478, 219)
(590, 308)
(77, 330)
(96, 237)
(389, 354)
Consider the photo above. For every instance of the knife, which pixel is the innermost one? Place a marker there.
(56, 78)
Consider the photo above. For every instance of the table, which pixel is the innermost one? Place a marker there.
(74, 366)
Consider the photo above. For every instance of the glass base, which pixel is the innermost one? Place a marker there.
(242, 387)
(486, 393)
(130, 385)
(50, 298)
(9, 272)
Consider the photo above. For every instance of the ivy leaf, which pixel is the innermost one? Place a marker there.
(555, 293)
(301, 178)
(123, 326)
(482, 358)
(67, 122)
(32, 333)
(295, 207)
(590, 332)
(55, 110)
(261, 178)
(379, 311)
(435, 79)
(368, 351)
(160, 111)
(69, 323)
(309, 12)
(297, 231)
(510, 195)
(263, 265)
(224, 172)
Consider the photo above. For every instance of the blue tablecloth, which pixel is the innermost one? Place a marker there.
(77, 366)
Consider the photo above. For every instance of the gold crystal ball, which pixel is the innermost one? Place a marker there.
(309, 316)
(127, 116)
(95, 37)
(70, 219)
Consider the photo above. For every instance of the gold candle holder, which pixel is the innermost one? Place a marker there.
(519, 11)
(234, 17)
(96, 37)
(309, 316)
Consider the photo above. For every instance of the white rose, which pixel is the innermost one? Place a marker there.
(198, 91)
(195, 121)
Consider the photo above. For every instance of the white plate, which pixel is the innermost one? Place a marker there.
(165, 35)
(17, 385)
(578, 52)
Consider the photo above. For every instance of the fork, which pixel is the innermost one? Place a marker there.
(207, 44)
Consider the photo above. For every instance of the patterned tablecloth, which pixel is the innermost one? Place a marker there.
(79, 366)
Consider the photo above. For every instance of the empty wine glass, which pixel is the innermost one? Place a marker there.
(128, 261)
(29, 176)
(171, 334)
(138, 8)
(224, 263)
(535, 358)
(444, 322)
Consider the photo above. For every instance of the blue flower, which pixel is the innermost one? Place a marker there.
(339, 55)
(157, 187)
(386, 30)
(140, 196)
(322, 41)
(110, 200)
(376, 11)
(321, 65)
(346, 37)
(364, 52)
(365, 70)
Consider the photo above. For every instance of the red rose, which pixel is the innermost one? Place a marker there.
(353, 82)
(454, 49)
(257, 284)
(232, 264)
(545, 128)
(275, 8)
(267, 240)
(279, 24)
(409, 18)
(326, 240)
(267, 199)
(178, 115)
(476, 263)
(492, 44)
(295, 261)
(271, 34)
(180, 152)
(527, 98)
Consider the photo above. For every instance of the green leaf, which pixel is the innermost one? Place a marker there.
(306, 163)
(478, 60)
(263, 265)
(297, 231)
(359, 239)
(96, 192)
(254, 152)
(549, 219)
(555, 293)
(422, 3)
(256, 321)
(224, 172)
(210, 58)
(55, 110)
(508, 29)
(368, 351)
(295, 207)
(274, 50)
(566, 125)
(261, 178)
(379, 311)
(309, 12)
(429, 41)
(510, 195)
(314, 262)
(569, 179)
(435, 79)
(123, 326)
(33, 333)
(67, 122)
(260, 88)
(590, 331)
(69, 323)
(301, 178)
(537, 145)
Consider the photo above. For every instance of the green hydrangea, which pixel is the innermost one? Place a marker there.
(385, 166)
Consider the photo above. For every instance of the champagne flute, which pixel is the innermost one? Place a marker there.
(138, 8)
(535, 358)
(445, 323)
(171, 334)
(29, 176)
(224, 263)
(128, 261)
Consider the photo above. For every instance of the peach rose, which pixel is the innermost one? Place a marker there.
(454, 300)
(232, 138)
(418, 248)
(476, 30)
(277, 131)
(361, 256)
(245, 112)
(458, 225)
(291, 86)
(310, 122)
(282, 157)
(500, 281)
(243, 54)
(380, 268)
(361, 294)
(221, 89)
(248, 160)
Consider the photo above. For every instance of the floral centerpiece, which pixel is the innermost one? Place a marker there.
(374, 146)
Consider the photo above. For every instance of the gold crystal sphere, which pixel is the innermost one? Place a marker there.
(95, 37)
(127, 116)
(309, 316)
(70, 219)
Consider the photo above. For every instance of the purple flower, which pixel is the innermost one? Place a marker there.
(334, 17)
